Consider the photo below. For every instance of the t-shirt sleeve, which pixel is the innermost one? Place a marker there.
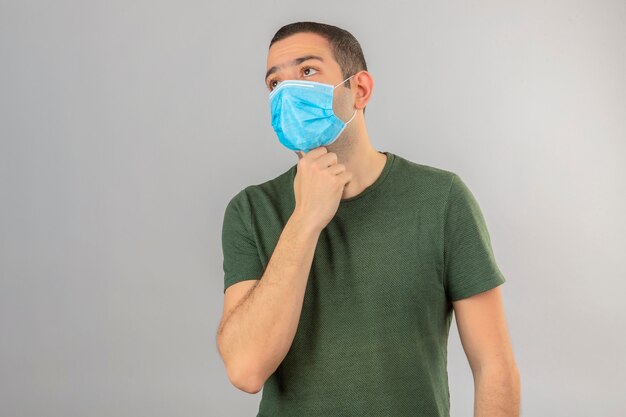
(469, 263)
(241, 257)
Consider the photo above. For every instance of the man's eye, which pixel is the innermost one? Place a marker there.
(308, 68)
(305, 71)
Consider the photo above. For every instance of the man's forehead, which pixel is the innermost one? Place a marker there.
(285, 50)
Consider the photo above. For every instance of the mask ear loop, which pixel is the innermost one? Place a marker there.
(354, 114)
(345, 80)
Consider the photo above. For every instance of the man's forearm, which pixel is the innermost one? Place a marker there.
(497, 392)
(257, 334)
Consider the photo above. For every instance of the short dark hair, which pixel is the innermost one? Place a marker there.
(344, 47)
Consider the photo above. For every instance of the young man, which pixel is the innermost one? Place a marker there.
(342, 273)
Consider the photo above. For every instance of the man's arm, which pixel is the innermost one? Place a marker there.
(256, 334)
(484, 335)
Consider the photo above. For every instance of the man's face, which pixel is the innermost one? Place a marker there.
(307, 56)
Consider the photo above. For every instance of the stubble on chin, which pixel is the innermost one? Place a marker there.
(342, 146)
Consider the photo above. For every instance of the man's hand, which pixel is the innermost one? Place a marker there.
(318, 185)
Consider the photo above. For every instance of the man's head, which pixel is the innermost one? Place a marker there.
(323, 53)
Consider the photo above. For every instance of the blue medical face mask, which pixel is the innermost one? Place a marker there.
(303, 116)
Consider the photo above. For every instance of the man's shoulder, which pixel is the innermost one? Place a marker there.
(427, 175)
(276, 188)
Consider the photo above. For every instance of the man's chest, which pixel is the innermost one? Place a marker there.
(370, 256)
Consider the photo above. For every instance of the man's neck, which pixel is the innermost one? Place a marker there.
(356, 152)
(365, 163)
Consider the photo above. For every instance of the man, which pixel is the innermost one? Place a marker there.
(342, 273)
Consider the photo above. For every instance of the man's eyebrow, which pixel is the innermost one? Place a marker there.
(295, 62)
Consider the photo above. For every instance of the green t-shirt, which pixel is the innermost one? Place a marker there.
(373, 332)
